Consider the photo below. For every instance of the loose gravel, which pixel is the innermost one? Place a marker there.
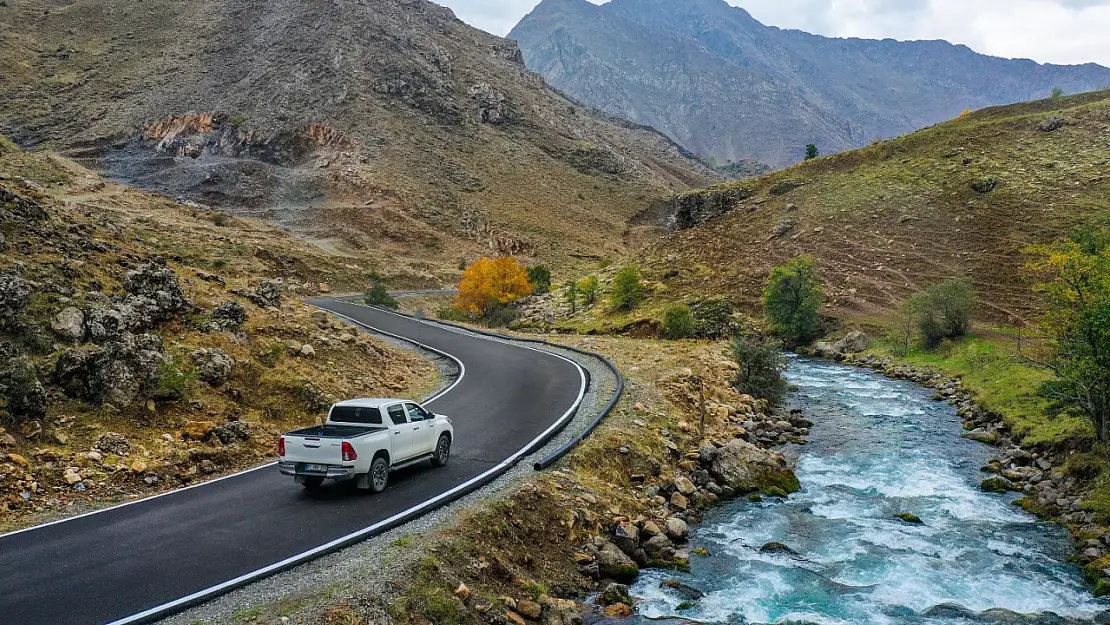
(379, 562)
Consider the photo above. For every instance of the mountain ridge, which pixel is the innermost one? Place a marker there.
(349, 121)
(716, 80)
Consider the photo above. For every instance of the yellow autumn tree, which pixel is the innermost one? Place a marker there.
(490, 282)
(965, 113)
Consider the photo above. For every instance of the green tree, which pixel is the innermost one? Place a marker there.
(761, 366)
(570, 296)
(540, 279)
(588, 288)
(792, 299)
(1075, 284)
(811, 151)
(378, 295)
(1057, 93)
(678, 323)
(627, 290)
(944, 311)
(905, 324)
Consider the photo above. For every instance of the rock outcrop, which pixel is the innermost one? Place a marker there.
(118, 372)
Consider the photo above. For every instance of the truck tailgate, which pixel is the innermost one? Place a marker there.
(313, 449)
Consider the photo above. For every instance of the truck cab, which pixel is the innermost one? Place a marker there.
(364, 440)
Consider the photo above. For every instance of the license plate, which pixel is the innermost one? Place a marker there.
(316, 468)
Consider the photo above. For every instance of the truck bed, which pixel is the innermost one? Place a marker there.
(337, 431)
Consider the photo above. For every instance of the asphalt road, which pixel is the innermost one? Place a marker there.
(114, 564)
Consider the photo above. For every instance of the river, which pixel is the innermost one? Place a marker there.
(878, 447)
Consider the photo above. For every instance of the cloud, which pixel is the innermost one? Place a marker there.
(1048, 31)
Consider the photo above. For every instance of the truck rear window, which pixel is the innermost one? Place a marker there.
(356, 414)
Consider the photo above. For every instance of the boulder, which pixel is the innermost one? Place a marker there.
(614, 593)
(119, 372)
(197, 430)
(656, 544)
(677, 529)
(687, 591)
(20, 387)
(529, 609)
(14, 292)
(232, 431)
(155, 290)
(1051, 124)
(614, 564)
(70, 324)
(853, 343)
(744, 467)
(214, 366)
(627, 537)
(267, 295)
(228, 317)
(685, 486)
(113, 443)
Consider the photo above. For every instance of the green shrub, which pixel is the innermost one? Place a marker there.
(811, 151)
(378, 295)
(627, 291)
(500, 316)
(570, 296)
(792, 299)
(173, 384)
(713, 319)
(943, 311)
(678, 323)
(452, 313)
(588, 289)
(540, 279)
(985, 185)
(761, 366)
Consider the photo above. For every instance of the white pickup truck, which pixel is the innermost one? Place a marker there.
(365, 439)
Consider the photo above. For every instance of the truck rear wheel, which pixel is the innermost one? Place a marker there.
(443, 451)
(313, 483)
(379, 474)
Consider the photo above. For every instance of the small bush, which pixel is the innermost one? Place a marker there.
(272, 355)
(627, 291)
(173, 384)
(540, 279)
(678, 323)
(588, 288)
(986, 185)
(378, 295)
(452, 313)
(943, 311)
(761, 366)
(500, 316)
(221, 219)
(811, 151)
(713, 319)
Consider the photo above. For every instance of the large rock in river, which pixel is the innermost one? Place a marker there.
(744, 467)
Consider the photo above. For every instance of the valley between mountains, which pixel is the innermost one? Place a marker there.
(895, 342)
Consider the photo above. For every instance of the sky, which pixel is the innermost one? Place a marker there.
(1048, 31)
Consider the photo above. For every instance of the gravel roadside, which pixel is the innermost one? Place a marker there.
(380, 562)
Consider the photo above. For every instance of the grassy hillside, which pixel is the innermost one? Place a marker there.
(962, 198)
(370, 125)
(146, 344)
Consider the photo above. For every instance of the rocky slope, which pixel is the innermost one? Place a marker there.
(721, 83)
(146, 345)
(381, 124)
(963, 198)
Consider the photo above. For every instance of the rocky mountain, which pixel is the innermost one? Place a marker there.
(377, 124)
(961, 199)
(721, 83)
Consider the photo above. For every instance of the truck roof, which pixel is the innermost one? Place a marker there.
(370, 402)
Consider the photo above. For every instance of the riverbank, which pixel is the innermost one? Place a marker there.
(1050, 460)
(542, 549)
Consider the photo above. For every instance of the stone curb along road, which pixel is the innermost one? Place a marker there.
(144, 560)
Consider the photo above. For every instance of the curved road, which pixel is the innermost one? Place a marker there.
(114, 565)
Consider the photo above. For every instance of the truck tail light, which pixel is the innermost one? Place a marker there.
(281, 447)
(348, 452)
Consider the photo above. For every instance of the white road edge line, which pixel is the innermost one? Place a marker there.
(462, 372)
(310, 554)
